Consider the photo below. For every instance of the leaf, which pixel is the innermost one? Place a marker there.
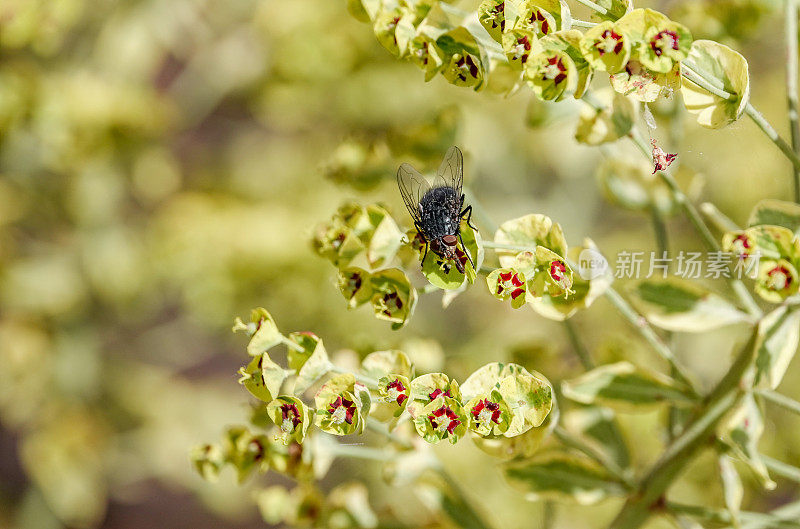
(383, 363)
(778, 337)
(531, 231)
(776, 213)
(266, 334)
(741, 430)
(315, 366)
(678, 305)
(557, 475)
(616, 8)
(262, 378)
(732, 490)
(610, 124)
(728, 69)
(598, 427)
(624, 386)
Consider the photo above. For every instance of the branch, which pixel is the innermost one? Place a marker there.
(676, 457)
(791, 86)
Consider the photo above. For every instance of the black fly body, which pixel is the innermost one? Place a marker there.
(437, 209)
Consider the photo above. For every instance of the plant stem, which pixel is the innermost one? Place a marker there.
(723, 516)
(364, 379)
(721, 221)
(582, 24)
(767, 129)
(790, 511)
(782, 401)
(781, 469)
(577, 346)
(647, 332)
(681, 451)
(791, 86)
(606, 462)
(361, 452)
(660, 231)
(461, 509)
(588, 3)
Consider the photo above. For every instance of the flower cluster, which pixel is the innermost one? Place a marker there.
(498, 400)
(537, 271)
(771, 255)
(641, 49)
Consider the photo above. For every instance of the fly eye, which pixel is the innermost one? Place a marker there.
(449, 240)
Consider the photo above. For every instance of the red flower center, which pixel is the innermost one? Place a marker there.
(396, 391)
(538, 19)
(664, 40)
(510, 282)
(444, 420)
(342, 410)
(436, 393)
(610, 42)
(779, 278)
(486, 411)
(291, 417)
(554, 71)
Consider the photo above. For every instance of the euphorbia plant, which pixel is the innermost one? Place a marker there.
(509, 410)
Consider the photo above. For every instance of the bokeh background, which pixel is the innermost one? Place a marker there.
(162, 166)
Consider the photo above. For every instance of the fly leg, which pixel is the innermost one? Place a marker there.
(464, 247)
(424, 255)
(468, 212)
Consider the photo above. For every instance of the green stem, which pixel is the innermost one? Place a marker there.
(364, 379)
(772, 134)
(790, 511)
(723, 516)
(779, 468)
(461, 509)
(361, 452)
(660, 231)
(791, 86)
(582, 23)
(591, 5)
(606, 462)
(782, 401)
(577, 346)
(641, 504)
(720, 221)
(640, 324)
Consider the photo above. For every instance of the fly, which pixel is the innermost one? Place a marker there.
(437, 209)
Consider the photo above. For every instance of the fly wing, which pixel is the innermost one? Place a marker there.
(451, 172)
(412, 187)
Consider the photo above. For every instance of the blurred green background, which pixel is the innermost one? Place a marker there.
(162, 166)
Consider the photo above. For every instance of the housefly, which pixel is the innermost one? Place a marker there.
(437, 208)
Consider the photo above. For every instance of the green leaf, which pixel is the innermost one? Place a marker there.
(778, 337)
(616, 8)
(732, 490)
(727, 69)
(382, 363)
(262, 377)
(530, 231)
(776, 213)
(385, 239)
(625, 387)
(560, 476)
(597, 426)
(394, 298)
(679, 305)
(264, 334)
(309, 358)
(444, 274)
(741, 430)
